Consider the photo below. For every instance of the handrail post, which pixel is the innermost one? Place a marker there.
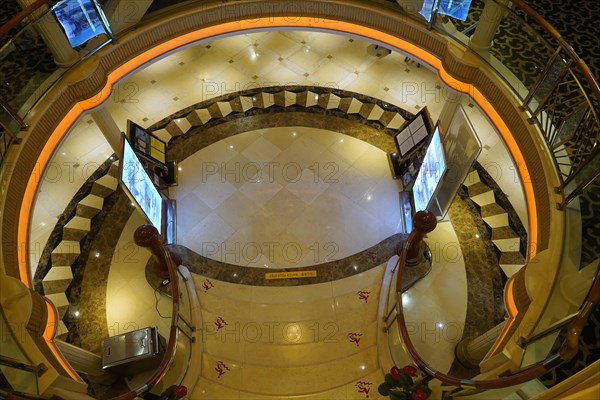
(423, 223)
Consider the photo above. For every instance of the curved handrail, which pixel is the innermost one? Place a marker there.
(147, 236)
(565, 354)
(21, 15)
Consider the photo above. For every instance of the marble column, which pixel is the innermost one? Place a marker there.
(488, 23)
(470, 352)
(108, 127)
(53, 36)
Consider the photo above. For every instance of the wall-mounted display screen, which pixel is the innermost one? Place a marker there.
(413, 132)
(139, 186)
(430, 174)
(458, 9)
(80, 20)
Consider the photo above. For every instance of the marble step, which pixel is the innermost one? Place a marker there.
(511, 262)
(61, 331)
(326, 343)
(508, 244)
(61, 303)
(113, 170)
(104, 186)
(65, 253)
(472, 178)
(484, 198)
(57, 280)
(282, 330)
(76, 229)
(208, 390)
(491, 210)
(291, 380)
(496, 221)
(478, 188)
(90, 206)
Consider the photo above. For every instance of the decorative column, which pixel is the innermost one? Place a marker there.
(423, 223)
(108, 127)
(53, 36)
(451, 103)
(470, 352)
(487, 26)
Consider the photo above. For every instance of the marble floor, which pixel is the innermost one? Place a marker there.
(224, 208)
(285, 197)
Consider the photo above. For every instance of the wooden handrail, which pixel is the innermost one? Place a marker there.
(147, 236)
(565, 354)
(21, 15)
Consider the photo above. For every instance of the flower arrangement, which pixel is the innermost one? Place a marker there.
(174, 392)
(400, 385)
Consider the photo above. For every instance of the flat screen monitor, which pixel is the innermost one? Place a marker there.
(458, 9)
(80, 19)
(430, 174)
(139, 186)
(413, 132)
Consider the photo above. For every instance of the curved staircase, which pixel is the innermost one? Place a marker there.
(310, 342)
(58, 279)
(508, 244)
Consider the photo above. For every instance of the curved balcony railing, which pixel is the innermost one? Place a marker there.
(147, 236)
(566, 352)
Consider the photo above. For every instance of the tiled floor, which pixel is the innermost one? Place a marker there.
(285, 197)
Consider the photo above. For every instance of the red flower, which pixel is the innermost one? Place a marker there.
(395, 373)
(419, 394)
(410, 370)
(180, 391)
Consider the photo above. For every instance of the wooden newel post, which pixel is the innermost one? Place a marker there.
(423, 223)
(147, 236)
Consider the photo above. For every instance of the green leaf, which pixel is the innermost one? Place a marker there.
(398, 396)
(406, 382)
(383, 389)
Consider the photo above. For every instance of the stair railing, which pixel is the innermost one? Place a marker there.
(566, 352)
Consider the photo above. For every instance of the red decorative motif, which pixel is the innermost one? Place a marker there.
(207, 285)
(363, 295)
(221, 369)
(363, 387)
(355, 338)
(220, 323)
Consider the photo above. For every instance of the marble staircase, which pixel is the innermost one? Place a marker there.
(309, 342)
(59, 277)
(506, 241)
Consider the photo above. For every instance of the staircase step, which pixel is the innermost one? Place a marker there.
(504, 232)
(60, 301)
(507, 245)
(496, 221)
(89, 207)
(61, 331)
(489, 210)
(477, 189)
(65, 253)
(511, 262)
(57, 280)
(291, 381)
(76, 229)
(484, 199)
(79, 223)
(104, 186)
(324, 342)
(113, 170)
(472, 178)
